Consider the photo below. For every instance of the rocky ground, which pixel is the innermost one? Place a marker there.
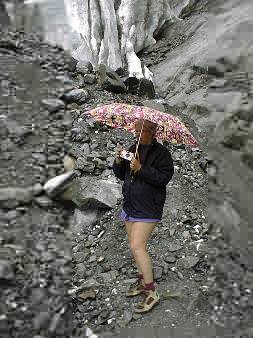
(63, 270)
(48, 247)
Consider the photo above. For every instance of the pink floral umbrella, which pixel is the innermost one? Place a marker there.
(124, 116)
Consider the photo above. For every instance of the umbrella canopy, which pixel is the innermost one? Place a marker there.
(124, 116)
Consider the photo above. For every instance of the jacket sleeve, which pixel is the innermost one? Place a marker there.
(119, 170)
(161, 174)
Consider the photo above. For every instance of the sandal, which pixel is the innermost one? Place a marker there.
(136, 288)
(151, 298)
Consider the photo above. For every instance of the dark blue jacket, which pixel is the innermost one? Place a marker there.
(144, 196)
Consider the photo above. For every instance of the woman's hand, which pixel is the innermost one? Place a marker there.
(135, 164)
(118, 151)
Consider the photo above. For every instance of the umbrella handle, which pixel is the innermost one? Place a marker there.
(138, 143)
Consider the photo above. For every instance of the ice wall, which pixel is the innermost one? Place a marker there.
(113, 31)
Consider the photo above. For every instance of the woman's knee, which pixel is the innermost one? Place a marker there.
(137, 247)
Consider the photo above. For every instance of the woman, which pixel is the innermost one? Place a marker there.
(144, 192)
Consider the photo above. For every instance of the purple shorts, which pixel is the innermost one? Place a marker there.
(125, 217)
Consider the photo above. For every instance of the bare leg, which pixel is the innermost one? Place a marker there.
(140, 234)
(128, 226)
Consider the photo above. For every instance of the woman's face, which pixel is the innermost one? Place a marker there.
(146, 135)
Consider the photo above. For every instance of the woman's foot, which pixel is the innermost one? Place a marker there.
(151, 298)
(136, 288)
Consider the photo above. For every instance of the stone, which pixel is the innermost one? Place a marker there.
(186, 234)
(78, 96)
(158, 272)
(83, 219)
(88, 193)
(53, 105)
(69, 163)
(170, 259)
(6, 270)
(37, 189)
(146, 88)
(12, 197)
(89, 79)
(174, 247)
(132, 85)
(109, 80)
(58, 184)
(84, 165)
(87, 294)
(187, 262)
(84, 67)
(43, 201)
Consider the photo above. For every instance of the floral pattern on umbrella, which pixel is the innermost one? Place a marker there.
(124, 116)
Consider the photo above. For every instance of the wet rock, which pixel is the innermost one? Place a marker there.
(110, 80)
(53, 105)
(12, 197)
(6, 270)
(78, 96)
(187, 262)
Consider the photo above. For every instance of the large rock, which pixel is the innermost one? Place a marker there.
(59, 183)
(83, 219)
(141, 87)
(110, 80)
(78, 96)
(86, 192)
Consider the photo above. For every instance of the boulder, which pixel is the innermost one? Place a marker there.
(83, 219)
(78, 96)
(59, 183)
(110, 80)
(87, 193)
